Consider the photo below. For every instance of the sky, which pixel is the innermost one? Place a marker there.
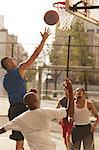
(24, 18)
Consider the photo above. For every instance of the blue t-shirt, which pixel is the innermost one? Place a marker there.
(15, 86)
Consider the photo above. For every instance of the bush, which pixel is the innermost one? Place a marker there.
(46, 98)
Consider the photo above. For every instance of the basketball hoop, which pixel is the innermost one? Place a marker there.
(65, 18)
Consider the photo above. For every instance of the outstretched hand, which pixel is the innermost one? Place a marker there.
(67, 83)
(46, 33)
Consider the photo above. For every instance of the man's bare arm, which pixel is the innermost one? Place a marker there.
(71, 97)
(24, 65)
(92, 107)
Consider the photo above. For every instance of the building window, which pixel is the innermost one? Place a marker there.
(97, 31)
(90, 30)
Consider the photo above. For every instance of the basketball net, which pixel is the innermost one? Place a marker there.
(65, 18)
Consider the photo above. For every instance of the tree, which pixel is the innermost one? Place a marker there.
(80, 54)
(30, 77)
(56, 60)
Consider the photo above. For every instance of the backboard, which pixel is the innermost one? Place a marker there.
(85, 9)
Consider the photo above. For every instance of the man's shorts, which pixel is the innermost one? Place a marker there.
(79, 132)
(14, 111)
(67, 128)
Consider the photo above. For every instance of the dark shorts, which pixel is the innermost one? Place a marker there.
(79, 132)
(14, 111)
(82, 133)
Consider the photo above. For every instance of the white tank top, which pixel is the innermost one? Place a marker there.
(81, 115)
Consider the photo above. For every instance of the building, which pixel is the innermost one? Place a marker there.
(9, 47)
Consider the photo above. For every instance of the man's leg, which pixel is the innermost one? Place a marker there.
(76, 138)
(13, 112)
(19, 145)
(77, 145)
(88, 142)
(67, 141)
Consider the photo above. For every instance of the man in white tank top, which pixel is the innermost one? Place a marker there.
(83, 130)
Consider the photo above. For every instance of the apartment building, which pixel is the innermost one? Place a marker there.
(9, 47)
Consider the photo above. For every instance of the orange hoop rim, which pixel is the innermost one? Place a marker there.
(59, 5)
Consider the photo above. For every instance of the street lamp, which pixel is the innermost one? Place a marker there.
(12, 50)
(48, 76)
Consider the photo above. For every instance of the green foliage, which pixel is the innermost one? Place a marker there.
(47, 98)
(30, 74)
(80, 52)
(79, 37)
(55, 55)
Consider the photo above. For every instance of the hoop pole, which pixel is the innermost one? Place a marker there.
(75, 8)
(68, 54)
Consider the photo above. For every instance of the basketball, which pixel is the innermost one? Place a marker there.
(51, 17)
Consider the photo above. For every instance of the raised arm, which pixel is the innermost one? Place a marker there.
(71, 97)
(24, 65)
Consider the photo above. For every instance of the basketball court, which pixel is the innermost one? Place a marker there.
(67, 10)
(87, 10)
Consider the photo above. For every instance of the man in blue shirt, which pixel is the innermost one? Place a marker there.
(15, 85)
